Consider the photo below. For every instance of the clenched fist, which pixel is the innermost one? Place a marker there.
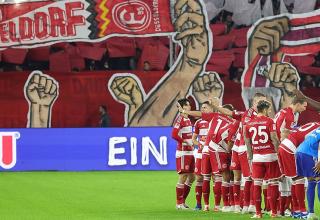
(206, 86)
(41, 89)
(126, 89)
(265, 38)
(283, 76)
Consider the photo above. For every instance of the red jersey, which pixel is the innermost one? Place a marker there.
(217, 125)
(284, 119)
(258, 130)
(244, 118)
(201, 128)
(182, 131)
(297, 136)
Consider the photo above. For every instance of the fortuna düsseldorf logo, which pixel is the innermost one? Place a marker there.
(132, 15)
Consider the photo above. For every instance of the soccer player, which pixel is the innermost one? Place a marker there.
(308, 165)
(286, 118)
(199, 136)
(287, 149)
(262, 144)
(182, 133)
(239, 161)
(208, 167)
(222, 150)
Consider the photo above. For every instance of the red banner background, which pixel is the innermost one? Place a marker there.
(82, 93)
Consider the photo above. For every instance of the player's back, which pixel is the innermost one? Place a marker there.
(247, 116)
(297, 136)
(259, 131)
(311, 143)
(220, 121)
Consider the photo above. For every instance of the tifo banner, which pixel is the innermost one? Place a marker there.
(272, 42)
(32, 24)
(73, 99)
(87, 149)
(43, 23)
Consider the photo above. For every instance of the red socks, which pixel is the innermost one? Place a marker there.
(199, 193)
(179, 193)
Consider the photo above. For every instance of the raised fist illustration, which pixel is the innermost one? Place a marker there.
(265, 38)
(41, 89)
(283, 76)
(207, 86)
(126, 89)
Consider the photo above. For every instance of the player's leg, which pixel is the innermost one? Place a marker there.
(235, 167)
(300, 194)
(258, 174)
(311, 194)
(199, 183)
(217, 192)
(206, 173)
(265, 196)
(198, 189)
(245, 168)
(273, 174)
(225, 190)
(179, 190)
(305, 164)
(187, 186)
(215, 164)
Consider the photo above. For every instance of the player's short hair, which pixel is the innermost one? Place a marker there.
(228, 106)
(297, 100)
(183, 102)
(263, 105)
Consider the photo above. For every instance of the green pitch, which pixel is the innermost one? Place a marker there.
(96, 195)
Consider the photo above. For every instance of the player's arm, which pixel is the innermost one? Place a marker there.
(195, 140)
(191, 113)
(176, 129)
(275, 140)
(229, 146)
(284, 134)
(222, 110)
(247, 141)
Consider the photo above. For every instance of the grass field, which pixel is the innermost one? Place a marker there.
(96, 195)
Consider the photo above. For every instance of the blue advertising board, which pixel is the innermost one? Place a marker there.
(83, 149)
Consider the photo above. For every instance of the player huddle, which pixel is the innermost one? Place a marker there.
(247, 153)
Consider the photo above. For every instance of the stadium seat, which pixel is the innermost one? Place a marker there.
(223, 42)
(156, 54)
(16, 56)
(121, 47)
(218, 68)
(218, 29)
(60, 62)
(306, 60)
(93, 53)
(311, 70)
(39, 54)
(239, 57)
(224, 58)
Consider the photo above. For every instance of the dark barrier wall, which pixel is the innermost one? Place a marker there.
(84, 149)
